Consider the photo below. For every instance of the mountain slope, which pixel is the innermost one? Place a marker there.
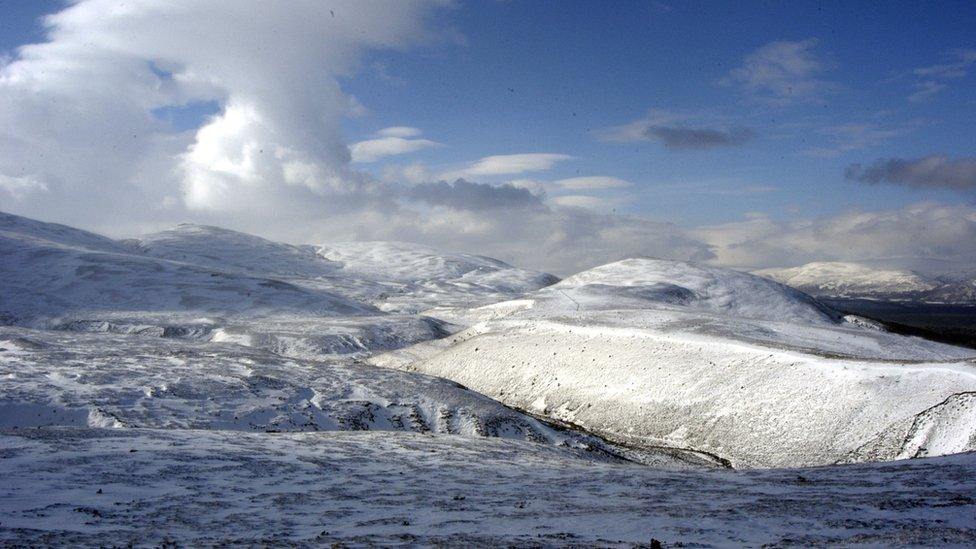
(231, 250)
(657, 353)
(418, 277)
(853, 280)
(49, 271)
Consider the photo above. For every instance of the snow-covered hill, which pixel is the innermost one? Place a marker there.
(853, 280)
(204, 328)
(659, 353)
(417, 277)
(121, 381)
(157, 390)
(52, 271)
(212, 283)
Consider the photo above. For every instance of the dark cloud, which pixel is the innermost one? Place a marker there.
(929, 171)
(679, 137)
(467, 195)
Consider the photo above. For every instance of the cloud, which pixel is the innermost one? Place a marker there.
(597, 203)
(416, 172)
(593, 182)
(508, 164)
(854, 136)
(467, 195)
(676, 137)
(673, 131)
(80, 144)
(933, 78)
(925, 90)
(926, 235)
(782, 73)
(76, 111)
(399, 131)
(556, 239)
(19, 186)
(926, 172)
(390, 141)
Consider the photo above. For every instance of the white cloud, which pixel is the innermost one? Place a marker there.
(76, 112)
(399, 131)
(598, 203)
(79, 144)
(637, 130)
(553, 238)
(594, 182)
(372, 150)
(932, 79)
(16, 187)
(781, 73)
(927, 234)
(508, 164)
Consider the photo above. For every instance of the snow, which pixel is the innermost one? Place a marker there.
(718, 362)
(201, 385)
(854, 280)
(150, 487)
(645, 282)
(423, 277)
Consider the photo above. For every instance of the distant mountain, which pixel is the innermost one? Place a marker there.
(858, 281)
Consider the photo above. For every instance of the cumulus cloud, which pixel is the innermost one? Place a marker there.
(389, 142)
(81, 142)
(933, 79)
(674, 132)
(467, 195)
(922, 235)
(926, 172)
(782, 73)
(77, 111)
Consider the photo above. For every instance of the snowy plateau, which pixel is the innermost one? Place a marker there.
(201, 386)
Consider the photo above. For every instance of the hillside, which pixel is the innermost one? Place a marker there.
(658, 353)
(853, 280)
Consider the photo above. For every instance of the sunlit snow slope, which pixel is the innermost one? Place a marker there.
(662, 353)
(205, 328)
(853, 280)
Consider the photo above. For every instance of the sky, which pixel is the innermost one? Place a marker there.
(554, 135)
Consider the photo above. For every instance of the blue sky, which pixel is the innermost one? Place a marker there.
(693, 113)
(542, 76)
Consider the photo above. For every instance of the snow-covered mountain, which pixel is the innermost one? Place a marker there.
(205, 328)
(656, 353)
(147, 380)
(207, 282)
(853, 280)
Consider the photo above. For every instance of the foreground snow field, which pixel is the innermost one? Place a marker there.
(120, 486)
(201, 385)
